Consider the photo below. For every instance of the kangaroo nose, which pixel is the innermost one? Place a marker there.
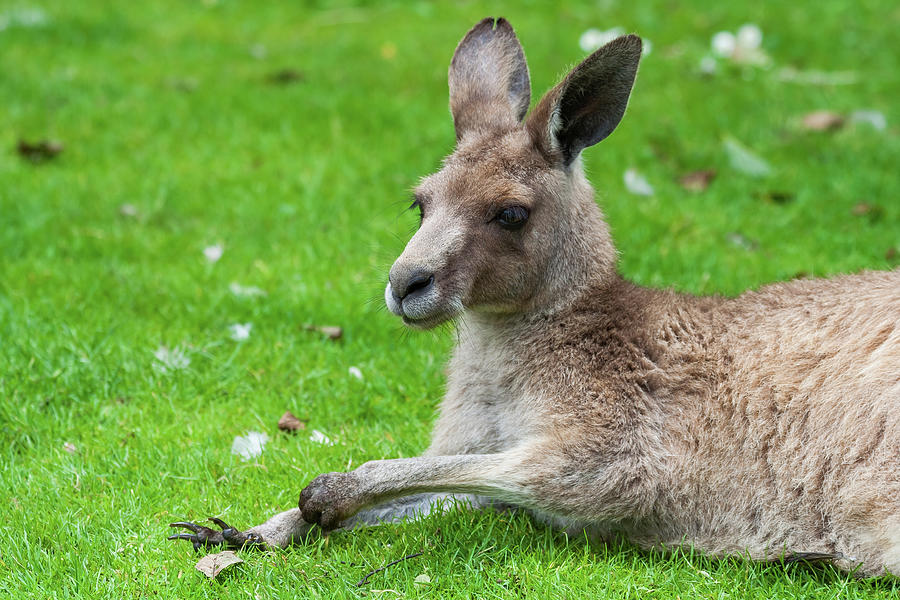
(418, 280)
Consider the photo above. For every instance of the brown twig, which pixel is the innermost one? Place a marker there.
(365, 579)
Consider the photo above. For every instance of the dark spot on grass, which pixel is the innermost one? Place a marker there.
(183, 84)
(776, 197)
(40, 151)
(285, 77)
(892, 255)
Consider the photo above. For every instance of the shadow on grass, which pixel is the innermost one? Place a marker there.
(502, 542)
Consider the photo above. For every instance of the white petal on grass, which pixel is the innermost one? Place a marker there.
(646, 47)
(723, 44)
(873, 117)
(593, 38)
(745, 161)
(637, 183)
(708, 65)
(213, 253)
(249, 446)
(816, 77)
(749, 36)
(173, 359)
(128, 210)
(355, 372)
(23, 17)
(240, 331)
(258, 51)
(320, 438)
(246, 291)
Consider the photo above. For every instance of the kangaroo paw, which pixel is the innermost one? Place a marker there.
(227, 536)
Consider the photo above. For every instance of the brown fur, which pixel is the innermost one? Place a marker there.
(767, 424)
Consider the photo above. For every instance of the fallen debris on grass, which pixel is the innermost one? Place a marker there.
(697, 181)
(745, 161)
(213, 564)
(285, 76)
(39, 152)
(330, 331)
(823, 120)
(250, 445)
(365, 579)
(288, 422)
(636, 183)
(320, 438)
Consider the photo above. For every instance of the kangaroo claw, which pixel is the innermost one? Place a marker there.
(205, 537)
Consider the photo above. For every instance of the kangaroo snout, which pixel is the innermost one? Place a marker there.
(403, 286)
(408, 290)
(411, 293)
(422, 288)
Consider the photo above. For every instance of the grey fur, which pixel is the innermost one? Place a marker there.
(766, 425)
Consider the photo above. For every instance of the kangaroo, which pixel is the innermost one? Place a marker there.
(766, 425)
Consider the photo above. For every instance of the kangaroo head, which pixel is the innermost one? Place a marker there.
(509, 223)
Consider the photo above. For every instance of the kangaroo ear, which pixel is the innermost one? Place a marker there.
(589, 103)
(489, 84)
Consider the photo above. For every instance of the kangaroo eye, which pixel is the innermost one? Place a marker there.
(512, 218)
(417, 204)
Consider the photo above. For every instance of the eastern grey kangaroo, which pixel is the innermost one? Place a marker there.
(766, 425)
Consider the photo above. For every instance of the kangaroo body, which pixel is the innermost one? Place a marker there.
(682, 435)
(766, 425)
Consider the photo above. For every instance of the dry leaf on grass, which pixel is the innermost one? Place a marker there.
(288, 422)
(697, 181)
(213, 564)
(873, 211)
(330, 331)
(823, 120)
(861, 209)
(41, 151)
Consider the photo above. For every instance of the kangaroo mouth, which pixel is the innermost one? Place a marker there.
(422, 311)
(428, 322)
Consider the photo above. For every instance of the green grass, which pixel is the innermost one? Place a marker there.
(169, 107)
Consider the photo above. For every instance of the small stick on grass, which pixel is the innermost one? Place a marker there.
(365, 579)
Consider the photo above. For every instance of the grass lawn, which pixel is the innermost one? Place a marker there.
(289, 134)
